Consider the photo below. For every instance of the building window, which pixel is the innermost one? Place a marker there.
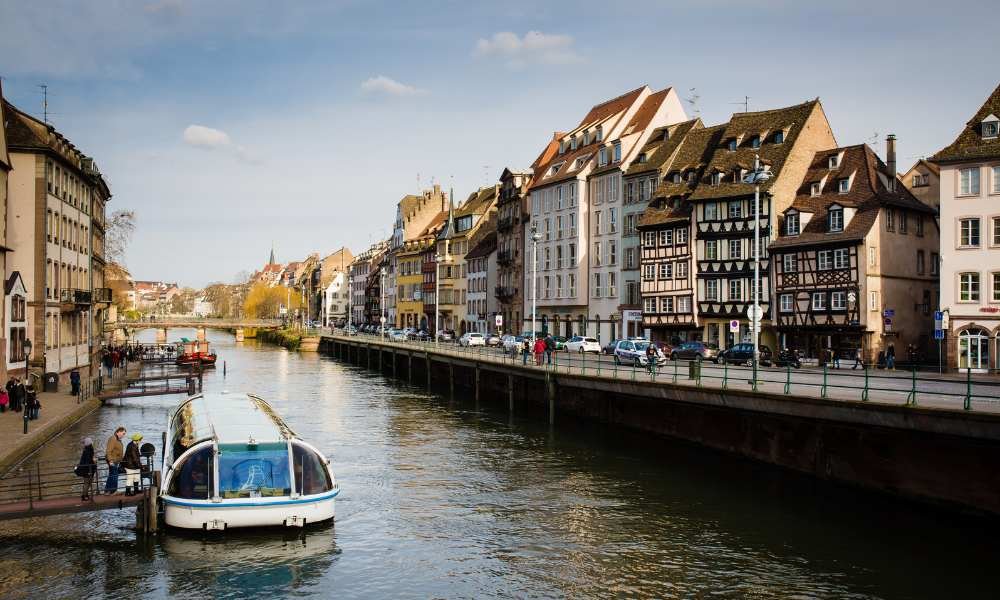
(612, 220)
(990, 129)
(597, 254)
(824, 259)
(735, 289)
(716, 178)
(735, 249)
(789, 263)
(903, 222)
(934, 263)
(779, 137)
(735, 209)
(819, 300)
(618, 151)
(844, 185)
(712, 289)
(920, 262)
(649, 239)
(968, 181)
(711, 211)
(840, 258)
(786, 303)
(890, 219)
(996, 179)
(666, 271)
(755, 142)
(681, 272)
(969, 233)
(732, 145)
(836, 220)
(873, 304)
(833, 162)
(597, 285)
(996, 286)
(572, 256)
(648, 272)
(684, 304)
(792, 223)
(664, 237)
(598, 223)
(680, 236)
(667, 304)
(814, 189)
(920, 225)
(649, 305)
(629, 258)
(968, 288)
(612, 252)
(602, 157)
(838, 300)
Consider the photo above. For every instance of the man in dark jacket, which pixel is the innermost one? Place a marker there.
(133, 465)
(550, 347)
(74, 382)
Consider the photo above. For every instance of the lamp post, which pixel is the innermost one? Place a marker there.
(438, 259)
(27, 356)
(757, 177)
(381, 304)
(350, 305)
(535, 238)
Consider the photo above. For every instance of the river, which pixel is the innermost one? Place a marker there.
(440, 500)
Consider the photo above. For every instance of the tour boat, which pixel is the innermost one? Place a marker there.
(230, 461)
(195, 353)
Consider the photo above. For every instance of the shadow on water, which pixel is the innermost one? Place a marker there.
(442, 500)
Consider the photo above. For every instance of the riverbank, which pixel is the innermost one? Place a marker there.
(286, 338)
(60, 411)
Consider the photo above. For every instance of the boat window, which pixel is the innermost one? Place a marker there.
(311, 474)
(192, 478)
(247, 471)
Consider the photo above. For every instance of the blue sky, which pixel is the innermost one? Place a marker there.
(228, 125)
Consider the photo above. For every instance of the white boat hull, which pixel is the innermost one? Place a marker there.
(252, 512)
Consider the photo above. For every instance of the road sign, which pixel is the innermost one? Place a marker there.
(734, 326)
(754, 313)
(499, 321)
(887, 320)
(939, 315)
(939, 334)
(632, 315)
(889, 313)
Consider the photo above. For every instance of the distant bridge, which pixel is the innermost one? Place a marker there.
(196, 323)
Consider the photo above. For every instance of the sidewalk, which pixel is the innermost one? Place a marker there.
(60, 410)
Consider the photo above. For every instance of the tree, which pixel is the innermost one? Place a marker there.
(264, 301)
(118, 234)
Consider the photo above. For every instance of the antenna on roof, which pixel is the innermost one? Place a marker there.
(486, 174)
(692, 99)
(745, 103)
(45, 103)
(874, 140)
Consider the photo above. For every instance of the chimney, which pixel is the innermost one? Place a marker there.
(890, 160)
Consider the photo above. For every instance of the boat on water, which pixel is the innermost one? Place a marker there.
(230, 461)
(191, 352)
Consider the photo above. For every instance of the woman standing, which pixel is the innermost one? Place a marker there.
(133, 465)
(87, 467)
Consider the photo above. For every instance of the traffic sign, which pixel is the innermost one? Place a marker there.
(887, 320)
(754, 313)
(939, 315)
(499, 321)
(889, 313)
(939, 334)
(734, 326)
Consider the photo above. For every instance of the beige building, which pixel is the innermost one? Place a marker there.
(465, 227)
(970, 239)
(56, 199)
(923, 180)
(413, 215)
(12, 341)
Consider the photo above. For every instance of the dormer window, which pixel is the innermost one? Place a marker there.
(844, 185)
(732, 145)
(602, 157)
(834, 161)
(792, 223)
(586, 138)
(555, 169)
(562, 148)
(779, 137)
(836, 219)
(572, 143)
(618, 151)
(814, 189)
(716, 178)
(677, 178)
(755, 142)
(666, 134)
(600, 135)
(641, 158)
(691, 176)
(990, 127)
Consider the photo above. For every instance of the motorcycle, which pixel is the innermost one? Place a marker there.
(787, 357)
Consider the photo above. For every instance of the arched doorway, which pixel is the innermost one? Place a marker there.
(974, 349)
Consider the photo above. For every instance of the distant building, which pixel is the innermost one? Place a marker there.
(413, 215)
(924, 182)
(481, 276)
(10, 347)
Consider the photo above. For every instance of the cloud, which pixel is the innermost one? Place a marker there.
(534, 48)
(208, 138)
(385, 85)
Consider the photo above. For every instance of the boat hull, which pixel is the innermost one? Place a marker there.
(227, 514)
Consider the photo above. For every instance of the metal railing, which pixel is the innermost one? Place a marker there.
(907, 388)
(55, 479)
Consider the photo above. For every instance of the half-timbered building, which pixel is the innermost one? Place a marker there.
(851, 261)
(785, 140)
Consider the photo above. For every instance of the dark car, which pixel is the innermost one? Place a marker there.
(696, 351)
(664, 347)
(743, 353)
(609, 348)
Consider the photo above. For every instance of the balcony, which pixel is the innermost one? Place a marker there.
(72, 298)
(505, 257)
(102, 295)
(505, 292)
(506, 224)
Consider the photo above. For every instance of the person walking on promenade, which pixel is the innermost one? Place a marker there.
(107, 362)
(890, 358)
(87, 468)
(113, 454)
(835, 358)
(4, 400)
(550, 347)
(539, 350)
(31, 403)
(133, 465)
(17, 396)
(651, 357)
(525, 351)
(11, 384)
(74, 382)
(857, 359)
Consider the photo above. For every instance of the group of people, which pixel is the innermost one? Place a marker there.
(118, 458)
(17, 396)
(116, 357)
(542, 348)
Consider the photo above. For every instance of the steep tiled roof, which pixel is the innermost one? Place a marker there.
(665, 210)
(643, 116)
(478, 202)
(659, 150)
(485, 247)
(743, 127)
(970, 145)
(868, 194)
(611, 107)
(19, 133)
(692, 147)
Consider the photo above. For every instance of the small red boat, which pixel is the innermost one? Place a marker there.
(195, 353)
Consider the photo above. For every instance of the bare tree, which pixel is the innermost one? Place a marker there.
(118, 234)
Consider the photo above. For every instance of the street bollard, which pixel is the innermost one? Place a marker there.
(788, 378)
(864, 392)
(598, 364)
(583, 369)
(967, 405)
(674, 380)
(822, 391)
(755, 374)
(24, 409)
(911, 398)
(725, 374)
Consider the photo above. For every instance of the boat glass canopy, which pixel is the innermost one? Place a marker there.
(225, 418)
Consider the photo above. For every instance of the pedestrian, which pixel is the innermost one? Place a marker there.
(87, 468)
(836, 358)
(4, 400)
(890, 357)
(74, 382)
(107, 362)
(31, 403)
(525, 351)
(539, 350)
(9, 388)
(650, 357)
(550, 347)
(113, 454)
(17, 396)
(133, 465)
(857, 359)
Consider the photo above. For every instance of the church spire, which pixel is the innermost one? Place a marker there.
(270, 261)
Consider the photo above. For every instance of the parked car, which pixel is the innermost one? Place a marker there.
(743, 353)
(422, 336)
(664, 347)
(446, 335)
(397, 335)
(609, 348)
(629, 352)
(579, 343)
(512, 344)
(472, 338)
(492, 340)
(696, 351)
(560, 342)
(788, 357)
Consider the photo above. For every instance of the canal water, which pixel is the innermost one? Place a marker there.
(440, 500)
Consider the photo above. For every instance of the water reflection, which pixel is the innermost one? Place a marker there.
(442, 500)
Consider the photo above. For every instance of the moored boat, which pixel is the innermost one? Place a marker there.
(231, 462)
(195, 353)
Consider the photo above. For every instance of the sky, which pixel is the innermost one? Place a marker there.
(232, 125)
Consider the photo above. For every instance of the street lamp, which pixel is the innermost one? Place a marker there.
(757, 177)
(535, 238)
(381, 305)
(27, 356)
(438, 259)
